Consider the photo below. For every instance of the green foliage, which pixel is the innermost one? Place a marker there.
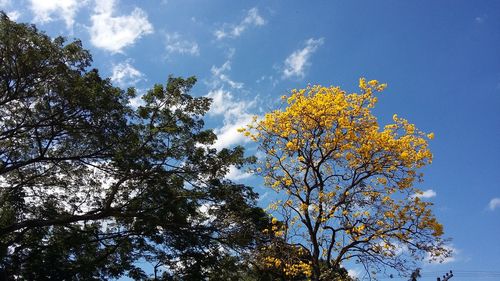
(90, 187)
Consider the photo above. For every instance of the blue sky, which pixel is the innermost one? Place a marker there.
(441, 60)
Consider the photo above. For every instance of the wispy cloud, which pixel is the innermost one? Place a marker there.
(231, 31)
(236, 114)
(113, 33)
(295, 65)
(223, 104)
(48, 10)
(354, 273)
(14, 15)
(5, 3)
(228, 134)
(480, 19)
(236, 174)
(174, 43)
(494, 203)
(429, 193)
(125, 75)
(263, 196)
(220, 77)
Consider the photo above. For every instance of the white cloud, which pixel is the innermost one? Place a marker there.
(136, 101)
(125, 75)
(4, 3)
(494, 203)
(113, 33)
(223, 103)
(481, 19)
(205, 211)
(220, 77)
(14, 15)
(251, 19)
(270, 79)
(219, 98)
(228, 134)
(354, 273)
(429, 193)
(175, 44)
(48, 10)
(236, 174)
(236, 115)
(296, 63)
(263, 196)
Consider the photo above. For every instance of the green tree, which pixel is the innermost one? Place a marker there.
(90, 188)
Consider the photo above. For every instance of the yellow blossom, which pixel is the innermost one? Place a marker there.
(328, 155)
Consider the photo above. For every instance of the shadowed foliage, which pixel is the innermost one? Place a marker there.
(91, 188)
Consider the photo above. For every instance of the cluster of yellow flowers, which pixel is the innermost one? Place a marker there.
(290, 269)
(326, 148)
(277, 229)
(331, 122)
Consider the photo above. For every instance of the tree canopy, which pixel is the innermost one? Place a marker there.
(347, 183)
(92, 188)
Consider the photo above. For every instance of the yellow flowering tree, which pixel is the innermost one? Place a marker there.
(347, 183)
(286, 261)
